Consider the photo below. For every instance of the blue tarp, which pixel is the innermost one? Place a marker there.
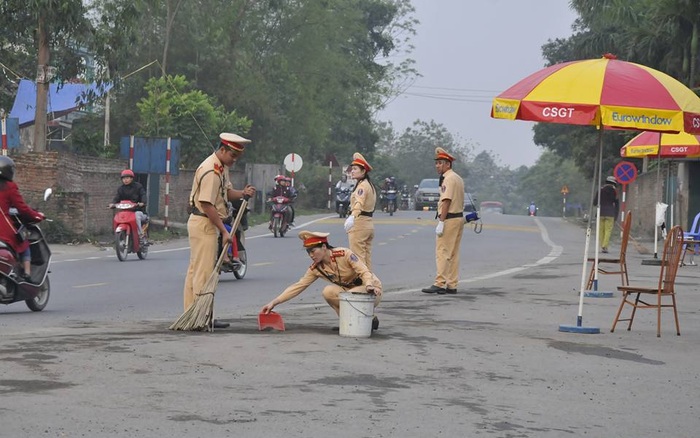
(61, 100)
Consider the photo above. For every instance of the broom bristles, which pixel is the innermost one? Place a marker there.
(200, 314)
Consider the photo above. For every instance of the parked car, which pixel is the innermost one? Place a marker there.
(428, 193)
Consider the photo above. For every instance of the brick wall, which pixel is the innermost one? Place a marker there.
(84, 186)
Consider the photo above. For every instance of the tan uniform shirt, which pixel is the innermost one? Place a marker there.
(363, 198)
(344, 270)
(211, 183)
(452, 188)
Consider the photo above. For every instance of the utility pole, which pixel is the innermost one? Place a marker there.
(42, 87)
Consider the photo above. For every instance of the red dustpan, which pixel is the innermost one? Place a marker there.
(271, 320)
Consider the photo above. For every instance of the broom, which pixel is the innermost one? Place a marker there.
(638, 246)
(200, 315)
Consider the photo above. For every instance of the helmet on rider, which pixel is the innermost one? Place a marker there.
(7, 168)
(127, 173)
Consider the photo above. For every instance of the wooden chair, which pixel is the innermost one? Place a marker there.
(620, 261)
(670, 260)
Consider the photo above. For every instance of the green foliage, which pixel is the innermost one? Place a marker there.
(542, 183)
(173, 109)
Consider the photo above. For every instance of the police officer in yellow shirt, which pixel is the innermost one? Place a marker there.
(340, 266)
(359, 224)
(450, 225)
(211, 188)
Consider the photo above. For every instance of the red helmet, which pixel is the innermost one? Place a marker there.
(279, 178)
(127, 172)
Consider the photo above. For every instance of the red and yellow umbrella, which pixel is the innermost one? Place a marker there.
(602, 92)
(646, 144)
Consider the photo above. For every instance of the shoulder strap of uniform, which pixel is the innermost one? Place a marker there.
(199, 184)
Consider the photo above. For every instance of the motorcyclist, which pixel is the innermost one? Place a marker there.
(343, 183)
(532, 209)
(284, 188)
(133, 191)
(340, 185)
(9, 198)
(388, 184)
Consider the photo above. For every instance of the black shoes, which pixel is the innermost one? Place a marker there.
(434, 289)
(439, 290)
(220, 325)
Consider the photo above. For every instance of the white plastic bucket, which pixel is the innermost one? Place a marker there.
(356, 312)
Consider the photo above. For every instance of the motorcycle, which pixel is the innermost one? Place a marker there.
(238, 263)
(13, 287)
(532, 210)
(391, 196)
(126, 235)
(279, 215)
(342, 201)
(405, 199)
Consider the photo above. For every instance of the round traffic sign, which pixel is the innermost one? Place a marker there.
(625, 172)
(293, 162)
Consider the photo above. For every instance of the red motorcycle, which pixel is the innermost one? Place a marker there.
(126, 235)
(279, 215)
(35, 290)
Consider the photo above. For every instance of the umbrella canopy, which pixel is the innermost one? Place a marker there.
(602, 92)
(646, 144)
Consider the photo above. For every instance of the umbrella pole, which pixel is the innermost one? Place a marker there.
(579, 328)
(655, 260)
(598, 181)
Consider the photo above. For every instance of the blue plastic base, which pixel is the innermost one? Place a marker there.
(579, 329)
(597, 294)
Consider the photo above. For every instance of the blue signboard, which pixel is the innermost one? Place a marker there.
(12, 131)
(150, 154)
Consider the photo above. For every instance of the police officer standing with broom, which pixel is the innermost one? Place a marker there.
(211, 188)
(450, 225)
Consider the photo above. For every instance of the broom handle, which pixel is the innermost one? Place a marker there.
(234, 227)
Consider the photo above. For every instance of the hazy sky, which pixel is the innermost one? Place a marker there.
(468, 51)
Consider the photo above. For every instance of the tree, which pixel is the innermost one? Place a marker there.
(44, 28)
(173, 109)
(542, 184)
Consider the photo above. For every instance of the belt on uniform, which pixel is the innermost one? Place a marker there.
(195, 211)
(453, 215)
(366, 213)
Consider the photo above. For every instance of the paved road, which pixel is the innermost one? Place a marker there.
(489, 361)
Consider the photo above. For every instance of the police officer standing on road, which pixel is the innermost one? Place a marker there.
(359, 225)
(450, 225)
(339, 266)
(211, 188)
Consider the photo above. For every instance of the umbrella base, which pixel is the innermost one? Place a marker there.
(597, 294)
(579, 329)
(652, 262)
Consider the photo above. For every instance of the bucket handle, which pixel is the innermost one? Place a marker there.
(351, 305)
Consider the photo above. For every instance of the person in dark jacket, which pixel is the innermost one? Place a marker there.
(609, 208)
(133, 191)
(11, 198)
